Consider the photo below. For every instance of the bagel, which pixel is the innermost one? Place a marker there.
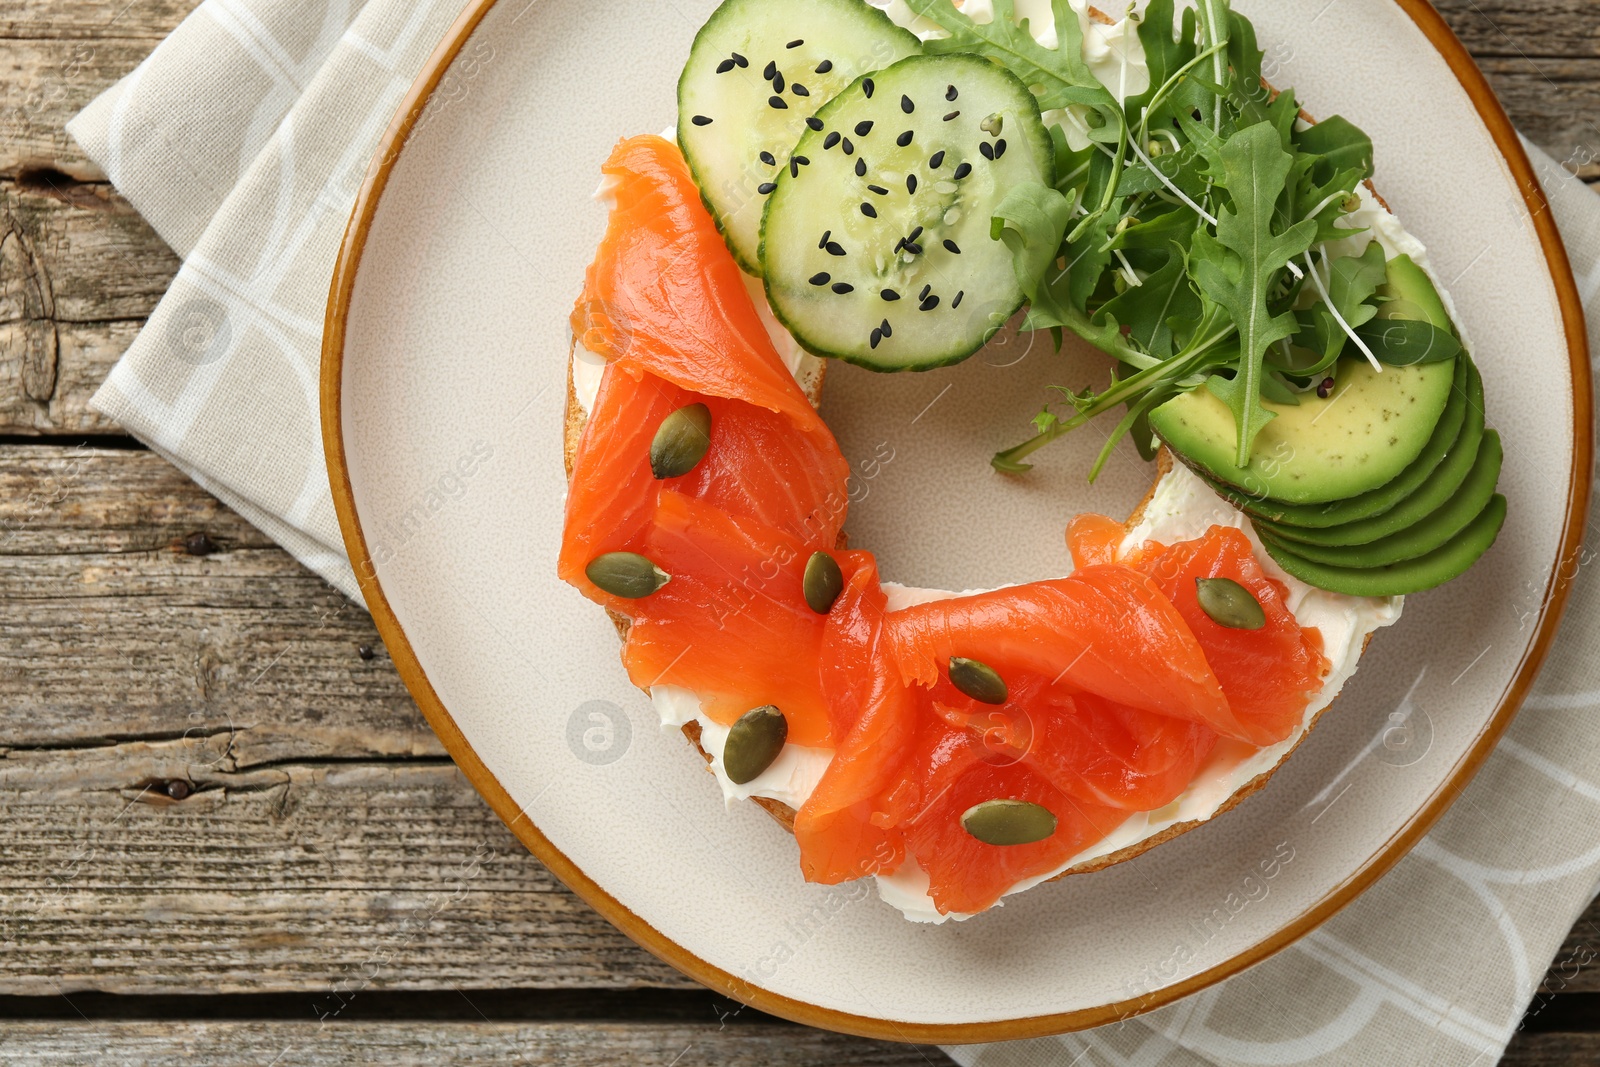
(1176, 497)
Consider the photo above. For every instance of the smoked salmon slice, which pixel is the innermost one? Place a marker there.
(840, 829)
(664, 294)
(966, 875)
(732, 624)
(1269, 675)
(1104, 630)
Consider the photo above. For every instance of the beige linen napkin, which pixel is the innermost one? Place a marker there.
(243, 139)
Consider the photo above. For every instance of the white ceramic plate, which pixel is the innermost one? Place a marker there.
(443, 406)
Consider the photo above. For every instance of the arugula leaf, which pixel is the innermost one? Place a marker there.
(1352, 281)
(1406, 342)
(1061, 72)
(1146, 310)
(1338, 145)
(1238, 267)
(1031, 220)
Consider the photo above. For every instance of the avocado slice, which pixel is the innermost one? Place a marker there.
(1363, 435)
(1468, 389)
(1408, 293)
(1412, 575)
(1432, 495)
(1424, 536)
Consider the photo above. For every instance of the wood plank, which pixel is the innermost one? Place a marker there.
(328, 878)
(1524, 27)
(255, 1044)
(1553, 1050)
(93, 19)
(128, 633)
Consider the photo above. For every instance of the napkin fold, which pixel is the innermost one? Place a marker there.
(244, 138)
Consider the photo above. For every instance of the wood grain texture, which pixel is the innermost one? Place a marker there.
(149, 20)
(243, 1044)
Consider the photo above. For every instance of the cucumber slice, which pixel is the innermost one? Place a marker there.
(749, 54)
(877, 250)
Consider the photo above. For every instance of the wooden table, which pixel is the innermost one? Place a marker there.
(227, 832)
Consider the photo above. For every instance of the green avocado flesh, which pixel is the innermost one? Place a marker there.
(1422, 537)
(1439, 488)
(1409, 576)
(1410, 294)
(1368, 430)
(1466, 391)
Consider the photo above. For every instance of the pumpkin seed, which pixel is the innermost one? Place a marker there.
(753, 743)
(978, 680)
(1229, 604)
(823, 582)
(626, 574)
(681, 441)
(1008, 822)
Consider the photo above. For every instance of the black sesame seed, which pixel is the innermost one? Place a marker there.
(926, 289)
(914, 234)
(803, 161)
(951, 247)
(937, 161)
(800, 90)
(869, 88)
(863, 128)
(849, 147)
(928, 304)
(778, 104)
(794, 168)
(861, 168)
(777, 81)
(880, 190)
(1000, 148)
(835, 248)
(888, 331)
(963, 170)
(914, 249)
(877, 337)
(769, 159)
(987, 149)
(904, 139)
(770, 71)
(765, 187)
(827, 235)
(821, 279)
(796, 43)
(831, 140)
(898, 246)
(889, 294)
(950, 93)
(843, 287)
(813, 122)
(825, 66)
(906, 105)
(701, 120)
(952, 116)
(911, 183)
(868, 210)
(957, 301)
(725, 66)
(741, 60)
